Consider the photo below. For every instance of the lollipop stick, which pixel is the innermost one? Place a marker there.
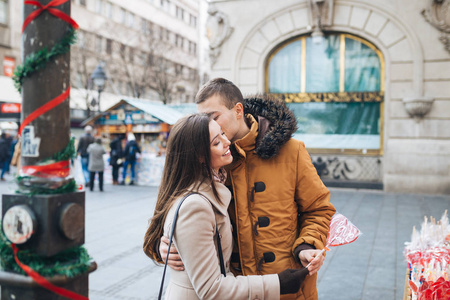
(321, 252)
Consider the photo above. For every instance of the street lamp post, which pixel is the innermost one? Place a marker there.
(99, 79)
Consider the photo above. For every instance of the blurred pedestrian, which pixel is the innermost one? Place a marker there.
(131, 149)
(115, 158)
(15, 161)
(12, 144)
(96, 163)
(5, 153)
(162, 144)
(85, 140)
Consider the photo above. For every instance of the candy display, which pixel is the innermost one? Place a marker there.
(428, 258)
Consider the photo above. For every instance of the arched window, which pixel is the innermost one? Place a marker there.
(335, 86)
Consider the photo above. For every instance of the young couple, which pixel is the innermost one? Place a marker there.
(275, 219)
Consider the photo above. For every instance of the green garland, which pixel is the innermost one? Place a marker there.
(30, 185)
(71, 262)
(67, 153)
(38, 60)
(27, 188)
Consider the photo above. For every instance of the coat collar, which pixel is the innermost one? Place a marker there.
(248, 142)
(278, 126)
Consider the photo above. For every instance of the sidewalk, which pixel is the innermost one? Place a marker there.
(370, 268)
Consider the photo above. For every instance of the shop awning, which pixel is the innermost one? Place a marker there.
(162, 112)
(158, 110)
(8, 92)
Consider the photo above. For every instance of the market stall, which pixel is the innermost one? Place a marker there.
(149, 121)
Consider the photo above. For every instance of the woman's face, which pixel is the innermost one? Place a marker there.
(219, 145)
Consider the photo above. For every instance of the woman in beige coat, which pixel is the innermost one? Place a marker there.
(197, 150)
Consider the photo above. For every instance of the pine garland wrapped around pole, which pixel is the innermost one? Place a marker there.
(70, 263)
(44, 84)
(45, 220)
(37, 60)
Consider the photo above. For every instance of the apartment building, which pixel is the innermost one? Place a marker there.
(148, 48)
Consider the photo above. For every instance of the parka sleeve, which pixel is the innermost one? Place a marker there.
(194, 239)
(313, 200)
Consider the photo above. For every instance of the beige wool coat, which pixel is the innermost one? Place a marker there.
(196, 243)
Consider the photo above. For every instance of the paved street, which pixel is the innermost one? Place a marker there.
(370, 268)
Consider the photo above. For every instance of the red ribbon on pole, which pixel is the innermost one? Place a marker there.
(59, 169)
(57, 13)
(44, 108)
(44, 282)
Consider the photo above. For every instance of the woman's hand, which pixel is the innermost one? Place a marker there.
(291, 280)
(312, 256)
(174, 261)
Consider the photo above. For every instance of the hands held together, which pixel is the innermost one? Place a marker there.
(292, 279)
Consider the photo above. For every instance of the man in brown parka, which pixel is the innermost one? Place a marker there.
(281, 210)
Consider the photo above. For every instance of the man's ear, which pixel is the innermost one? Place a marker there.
(239, 109)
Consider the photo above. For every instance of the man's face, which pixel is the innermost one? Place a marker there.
(224, 116)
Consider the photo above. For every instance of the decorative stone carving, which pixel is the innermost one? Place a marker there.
(348, 168)
(320, 13)
(417, 107)
(438, 15)
(218, 30)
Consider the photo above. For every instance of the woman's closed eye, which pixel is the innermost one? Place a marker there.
(218, 140)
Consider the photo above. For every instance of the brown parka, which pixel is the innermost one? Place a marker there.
(279, 200)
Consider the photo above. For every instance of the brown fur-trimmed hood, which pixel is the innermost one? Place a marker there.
(281, 123)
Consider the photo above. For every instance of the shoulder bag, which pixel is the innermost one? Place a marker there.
(219, 246)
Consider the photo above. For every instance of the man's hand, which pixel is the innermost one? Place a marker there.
(174, 258)
(312, 256)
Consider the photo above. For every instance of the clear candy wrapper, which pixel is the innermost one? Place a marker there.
(341, 232)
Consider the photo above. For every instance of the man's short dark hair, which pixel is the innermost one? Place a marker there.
(228, 91)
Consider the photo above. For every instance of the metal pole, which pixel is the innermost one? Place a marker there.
(57, 220)
(98, 100)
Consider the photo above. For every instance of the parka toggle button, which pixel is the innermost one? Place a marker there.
(262, 222)
(259, 187)
(268, 257)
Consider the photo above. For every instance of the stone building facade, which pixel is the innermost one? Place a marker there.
(10, 38)
(411, 42)
(148, 47)
(138, 42)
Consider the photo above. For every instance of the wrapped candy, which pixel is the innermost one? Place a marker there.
(341, 232)
(437, 290)
(428, 257)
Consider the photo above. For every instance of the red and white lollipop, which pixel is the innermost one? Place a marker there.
(341, 232)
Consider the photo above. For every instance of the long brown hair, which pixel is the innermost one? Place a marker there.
(187, 166)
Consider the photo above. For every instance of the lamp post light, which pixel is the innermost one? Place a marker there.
(99, 79)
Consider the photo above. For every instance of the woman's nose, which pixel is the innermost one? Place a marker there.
(226, 141)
